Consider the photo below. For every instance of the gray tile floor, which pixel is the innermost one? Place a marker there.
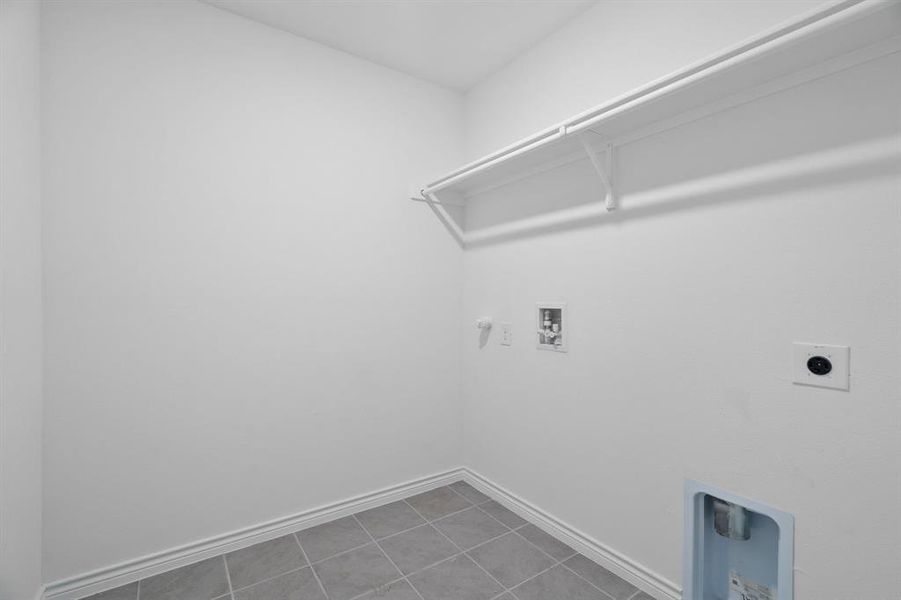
(451, 543)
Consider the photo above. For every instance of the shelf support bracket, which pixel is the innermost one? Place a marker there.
(430, 200)
(604, 171)
(438, 207)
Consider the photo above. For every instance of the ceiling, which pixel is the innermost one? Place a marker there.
(454, 43)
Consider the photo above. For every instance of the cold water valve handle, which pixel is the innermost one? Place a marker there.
(731, 520)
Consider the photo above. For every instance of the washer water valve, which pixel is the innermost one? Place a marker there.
(552, 326)
(550, 330)
(731, 520)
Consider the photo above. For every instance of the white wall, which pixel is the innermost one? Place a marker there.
(20, 301)
(244, 317)
(609, 50)
(683, 311)
(209, 179)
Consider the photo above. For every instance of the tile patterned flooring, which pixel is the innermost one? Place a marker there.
(451, 543)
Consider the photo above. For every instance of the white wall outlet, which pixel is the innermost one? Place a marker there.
(506, 334)
(822, 365)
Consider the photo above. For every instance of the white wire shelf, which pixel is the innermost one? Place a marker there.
(831, 39)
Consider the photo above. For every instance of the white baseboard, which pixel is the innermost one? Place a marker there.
(640, 576)
(130, 571)
(40, 594)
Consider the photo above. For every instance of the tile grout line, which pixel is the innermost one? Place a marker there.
(538, 574)
(540, 549)
(322, 560)
(388, 537)
(434, 564)
(391, 560)
(461, 494)
(431, 524)
(562, 563)
(403, 577)
(310, 563)
(454, 555)
(556, 563)
(503, 587)
(382, 539)
(449, 486)
(336, 555)
(228, 577)
(461, 551)
(559, 563)
(490, 516)
(457, 512)
(486, 501)
(486, 513)
(484, 570)
(512, 530)
(266, 580)
(374, 593)
(349, 550)
(374, 541)
(609, 595)
(406, 577)
(312, 570)
(442, 517)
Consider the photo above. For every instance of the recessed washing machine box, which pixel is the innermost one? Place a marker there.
(735, 548)
(553, 326)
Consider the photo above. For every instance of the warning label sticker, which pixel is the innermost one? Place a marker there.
(744, 589)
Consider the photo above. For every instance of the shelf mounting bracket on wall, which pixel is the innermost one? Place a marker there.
(604, 171)
(428, 199)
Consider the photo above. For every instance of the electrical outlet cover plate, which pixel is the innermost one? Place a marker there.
(838, 378)
(506, 334)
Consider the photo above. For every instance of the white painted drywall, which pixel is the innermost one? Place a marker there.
(422, 39)
(20, 301)
(609, 50)
(683, 309)
(244, 317)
